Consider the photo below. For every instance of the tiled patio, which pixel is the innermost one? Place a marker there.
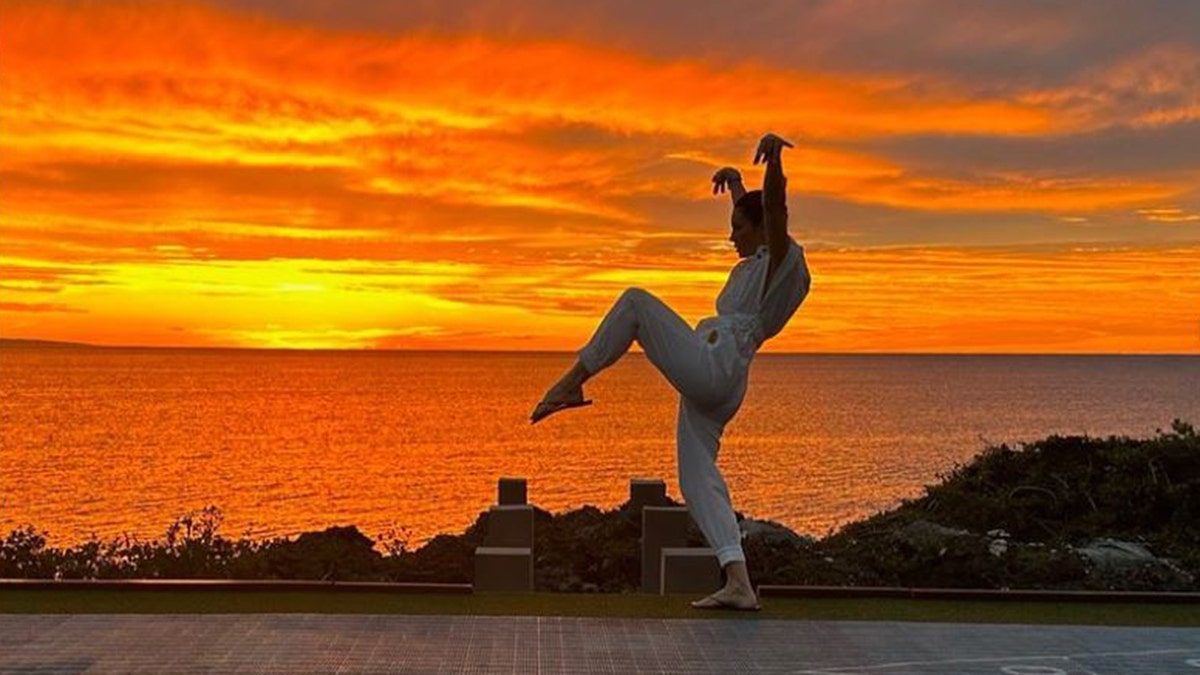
(330, 643)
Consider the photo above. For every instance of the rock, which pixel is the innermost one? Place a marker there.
(771, 533)
(998, 547)
(1131, 566)
(1110, 554)
(923, 534)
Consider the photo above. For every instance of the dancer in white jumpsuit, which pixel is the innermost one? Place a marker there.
(709, 365)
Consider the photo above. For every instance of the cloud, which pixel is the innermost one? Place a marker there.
(1169, 215)
(258, 78)
(452, 173)
(1164, 151)
(986, 43)
(38, 307)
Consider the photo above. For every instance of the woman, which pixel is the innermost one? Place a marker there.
(709, 365)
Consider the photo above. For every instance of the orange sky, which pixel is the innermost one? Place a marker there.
(186, 174)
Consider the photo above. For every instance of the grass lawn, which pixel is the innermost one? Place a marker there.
(580, 604)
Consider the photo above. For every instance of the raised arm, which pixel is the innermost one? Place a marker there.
(729, 178)
(775, 215)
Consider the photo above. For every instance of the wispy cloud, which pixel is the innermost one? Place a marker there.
(1169, 215)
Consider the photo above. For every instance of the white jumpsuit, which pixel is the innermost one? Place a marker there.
(708, 366)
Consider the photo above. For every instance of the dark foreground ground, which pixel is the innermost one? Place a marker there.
(389, 643)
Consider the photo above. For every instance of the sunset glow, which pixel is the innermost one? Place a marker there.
(224, 175)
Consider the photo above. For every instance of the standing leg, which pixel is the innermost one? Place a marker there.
(698, 439)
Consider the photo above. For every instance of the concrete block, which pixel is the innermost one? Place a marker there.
(662, 526)
(689, 570)
(512, 491)
(647, 492)
(499, 568)
(510, 526)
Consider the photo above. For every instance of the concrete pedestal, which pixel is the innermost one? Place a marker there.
(647, 492)
(662, 527)
(510, 526)
(512, 491)
(500, 568)
(689, 570)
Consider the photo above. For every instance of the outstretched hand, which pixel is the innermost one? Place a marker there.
(724, 178)
(770, 147)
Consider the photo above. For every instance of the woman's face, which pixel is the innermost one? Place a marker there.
(745, 236)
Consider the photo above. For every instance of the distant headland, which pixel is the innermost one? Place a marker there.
(21, 343)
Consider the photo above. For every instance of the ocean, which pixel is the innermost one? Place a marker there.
(123, 441)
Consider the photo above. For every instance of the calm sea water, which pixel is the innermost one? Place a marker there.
(108, 441)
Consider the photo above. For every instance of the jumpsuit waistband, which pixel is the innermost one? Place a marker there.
(746, 329)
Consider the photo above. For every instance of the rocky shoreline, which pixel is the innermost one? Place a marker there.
(1061, 513)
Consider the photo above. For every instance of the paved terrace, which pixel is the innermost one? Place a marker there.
(323, 643)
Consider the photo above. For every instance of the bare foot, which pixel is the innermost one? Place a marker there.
(729, 597)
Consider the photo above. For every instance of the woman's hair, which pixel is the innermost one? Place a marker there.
(751, 206)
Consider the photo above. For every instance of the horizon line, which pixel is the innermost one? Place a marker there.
(66, 344)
